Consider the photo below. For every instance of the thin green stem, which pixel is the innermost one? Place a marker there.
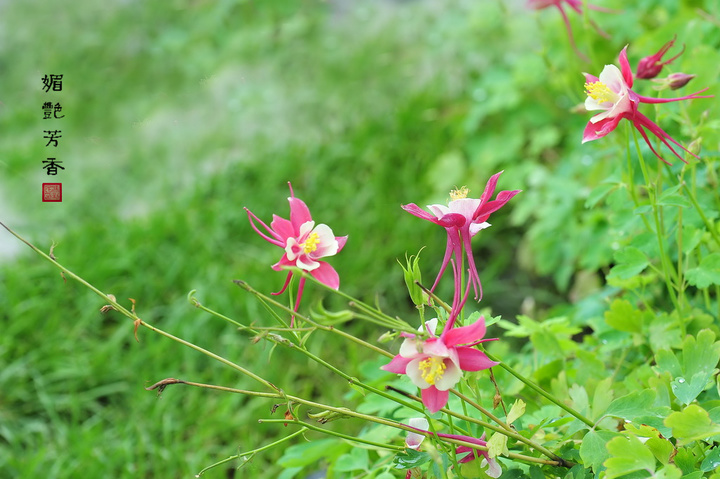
(342, 411)
(249, 454)
(631, 182)
(710, 227)
(477, 406)
(502, 429)
(323, 327)
(668, 270)
(540, 390)
(330, 432)
(384, 319)
(139, 322)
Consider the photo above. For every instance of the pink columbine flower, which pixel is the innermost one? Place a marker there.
(304, 244)
(463, 218)
(611, 92)
(421, 425)
(436, 364)
(649, 67)
(575, 5)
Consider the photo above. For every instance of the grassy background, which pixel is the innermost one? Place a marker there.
(180, 113)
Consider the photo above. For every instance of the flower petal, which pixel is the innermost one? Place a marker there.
(326, 274)
(450, 377)
(413, 439)
(414, 372)
(475, 228)
(472, 359)
(398, 365)
(299, 213)
(305, 262)
(465, 334)
(327, 244)
(625, 66)
(593, 131)
(341, 240)
(433, 399)
(415, 210)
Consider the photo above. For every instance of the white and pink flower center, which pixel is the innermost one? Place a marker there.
(312, 243)
(432, 369)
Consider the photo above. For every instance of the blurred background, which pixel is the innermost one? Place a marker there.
(180, 113)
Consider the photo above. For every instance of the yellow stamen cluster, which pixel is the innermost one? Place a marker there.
(599, 91)
(432, 369)
(311, 243)
(459, 193)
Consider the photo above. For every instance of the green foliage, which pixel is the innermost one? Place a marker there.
(179, 114)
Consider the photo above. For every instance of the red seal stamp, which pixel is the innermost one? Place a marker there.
(52, 191)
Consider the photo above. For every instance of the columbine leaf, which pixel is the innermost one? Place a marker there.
(711, 461)
(623, 316)
(592, 449)
(628, 454)
(357, 459)
(410, 458)
(599, 192)
(693, 372)
(671, 197)
(631, 405)
(630, 261)
(668, 472)
(706, 273)
(691, 424)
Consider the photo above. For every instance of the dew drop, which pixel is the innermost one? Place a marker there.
(681, 380)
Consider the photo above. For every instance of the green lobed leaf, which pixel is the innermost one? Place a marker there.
(602, 398)
(630, 261)
(623, 316)
(357, 459)
(668, 472)
(706, 273)
(691, 424)
(693, 371)
(671, 197)
(661, 448)
(711, 461)
(578, 471)
(410, 458)
(627, 454)
(599, 192)
(592, 449)
(631, 405)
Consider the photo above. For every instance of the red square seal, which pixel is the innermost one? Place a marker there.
(52, 191)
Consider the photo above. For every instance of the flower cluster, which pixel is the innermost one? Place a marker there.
(612, 93)
(434, 362)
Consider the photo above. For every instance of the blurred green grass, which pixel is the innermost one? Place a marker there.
(178, 115)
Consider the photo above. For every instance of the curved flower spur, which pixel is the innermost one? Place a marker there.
(612, 93)
(575, 5)
(304, 244)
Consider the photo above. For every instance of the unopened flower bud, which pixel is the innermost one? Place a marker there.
(679, 80)
(650, 66)
(695, 145)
